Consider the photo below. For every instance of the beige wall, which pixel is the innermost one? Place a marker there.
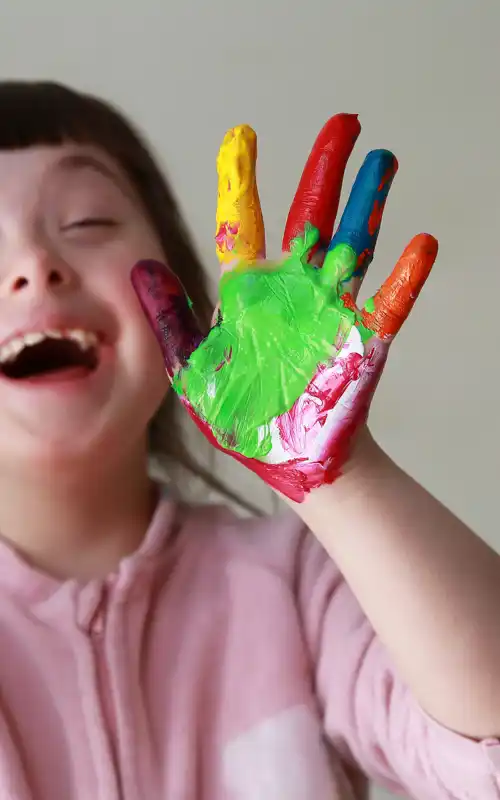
(423, 75)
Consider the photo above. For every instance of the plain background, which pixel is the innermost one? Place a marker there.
(423, 75)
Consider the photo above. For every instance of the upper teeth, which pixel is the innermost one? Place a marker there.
(10, 350)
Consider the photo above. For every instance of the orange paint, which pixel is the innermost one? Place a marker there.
(396, 297)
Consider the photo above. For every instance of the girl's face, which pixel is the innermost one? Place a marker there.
(79, 366)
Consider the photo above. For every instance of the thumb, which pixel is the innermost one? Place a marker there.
(168, 311)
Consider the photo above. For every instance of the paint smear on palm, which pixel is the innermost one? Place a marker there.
(239, 223)
(280, 322)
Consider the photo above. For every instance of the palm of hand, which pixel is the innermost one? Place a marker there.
(286, 374)
(286, 321)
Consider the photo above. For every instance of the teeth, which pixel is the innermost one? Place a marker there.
(10, 350)
(32, 338)
(85, 339)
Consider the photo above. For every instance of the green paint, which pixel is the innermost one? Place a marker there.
(339, 265)
(279, 322)
(370, 305)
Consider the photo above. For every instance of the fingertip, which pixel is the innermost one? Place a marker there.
(239, 228)
(317, 197)
(148, 264)
(144, 270)
(341, 123)
(423, 246)
(237, 139)
(154, 280)
(340, 133)
(168, 310)
(245, 131)
(382, 162)
(360, 223)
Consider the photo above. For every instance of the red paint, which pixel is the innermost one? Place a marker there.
(227, 358)
(378, 208)
(375, 219)
(348, 301)
(389, 173)
(293, 479)
(317, 197)
(166, 306)
(308, 414)
(363, 257)
(296, 478)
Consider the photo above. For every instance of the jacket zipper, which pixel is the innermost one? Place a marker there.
(103, 678)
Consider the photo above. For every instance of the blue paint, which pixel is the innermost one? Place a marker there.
(369, 188)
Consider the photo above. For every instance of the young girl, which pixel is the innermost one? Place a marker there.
(155, 650)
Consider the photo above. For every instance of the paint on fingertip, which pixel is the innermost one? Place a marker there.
(168, 311)
(239, 222)
(360, 222)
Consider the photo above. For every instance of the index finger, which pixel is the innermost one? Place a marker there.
(317, 197)
(239, 222)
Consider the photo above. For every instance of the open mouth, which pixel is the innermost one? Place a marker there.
(50, 354)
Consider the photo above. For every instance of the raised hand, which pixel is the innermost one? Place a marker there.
(286, 374)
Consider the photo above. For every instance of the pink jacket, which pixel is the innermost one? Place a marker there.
(225, 660)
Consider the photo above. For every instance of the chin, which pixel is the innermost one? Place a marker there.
(74, 445)
(55, 454)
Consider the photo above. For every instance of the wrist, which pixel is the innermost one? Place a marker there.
(366, 467)
(364, 450)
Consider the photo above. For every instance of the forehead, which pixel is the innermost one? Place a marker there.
(31, 168)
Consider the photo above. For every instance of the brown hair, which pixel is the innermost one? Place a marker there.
(46, 113)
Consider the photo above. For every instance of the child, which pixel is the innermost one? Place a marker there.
(155, 650)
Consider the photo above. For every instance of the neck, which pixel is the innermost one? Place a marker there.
(78, 524)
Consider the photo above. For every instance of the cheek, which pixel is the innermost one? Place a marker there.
(145, 379)
(137, 343)
(141, 349)
(136, 335)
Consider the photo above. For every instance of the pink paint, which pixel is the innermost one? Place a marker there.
(226, 235)
(300, 426)
(296, 478)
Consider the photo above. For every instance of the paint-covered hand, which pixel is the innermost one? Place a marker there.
(286, 374)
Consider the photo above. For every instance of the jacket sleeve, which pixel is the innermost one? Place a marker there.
(369, 714)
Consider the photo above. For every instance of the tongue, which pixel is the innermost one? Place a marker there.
(63, 374)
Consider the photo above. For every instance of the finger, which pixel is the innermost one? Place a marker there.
(360, 223)
(386, 311)
(239, 223)
(169, 312)
(317, 197)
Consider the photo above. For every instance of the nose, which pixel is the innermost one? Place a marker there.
(35, 273)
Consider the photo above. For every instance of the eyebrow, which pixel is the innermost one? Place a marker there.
(78, 161)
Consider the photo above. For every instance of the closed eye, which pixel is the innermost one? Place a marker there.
(91, 222)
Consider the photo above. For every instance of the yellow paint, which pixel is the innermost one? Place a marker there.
(239, 223)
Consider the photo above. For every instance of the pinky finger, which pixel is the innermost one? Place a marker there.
(386, 311)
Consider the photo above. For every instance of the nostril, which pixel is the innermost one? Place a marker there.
(20, 283)
(55, 277)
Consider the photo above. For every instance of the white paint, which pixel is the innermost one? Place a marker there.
(283, 758)
(324, 433)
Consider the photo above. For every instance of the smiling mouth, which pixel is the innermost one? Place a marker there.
(50, 354)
